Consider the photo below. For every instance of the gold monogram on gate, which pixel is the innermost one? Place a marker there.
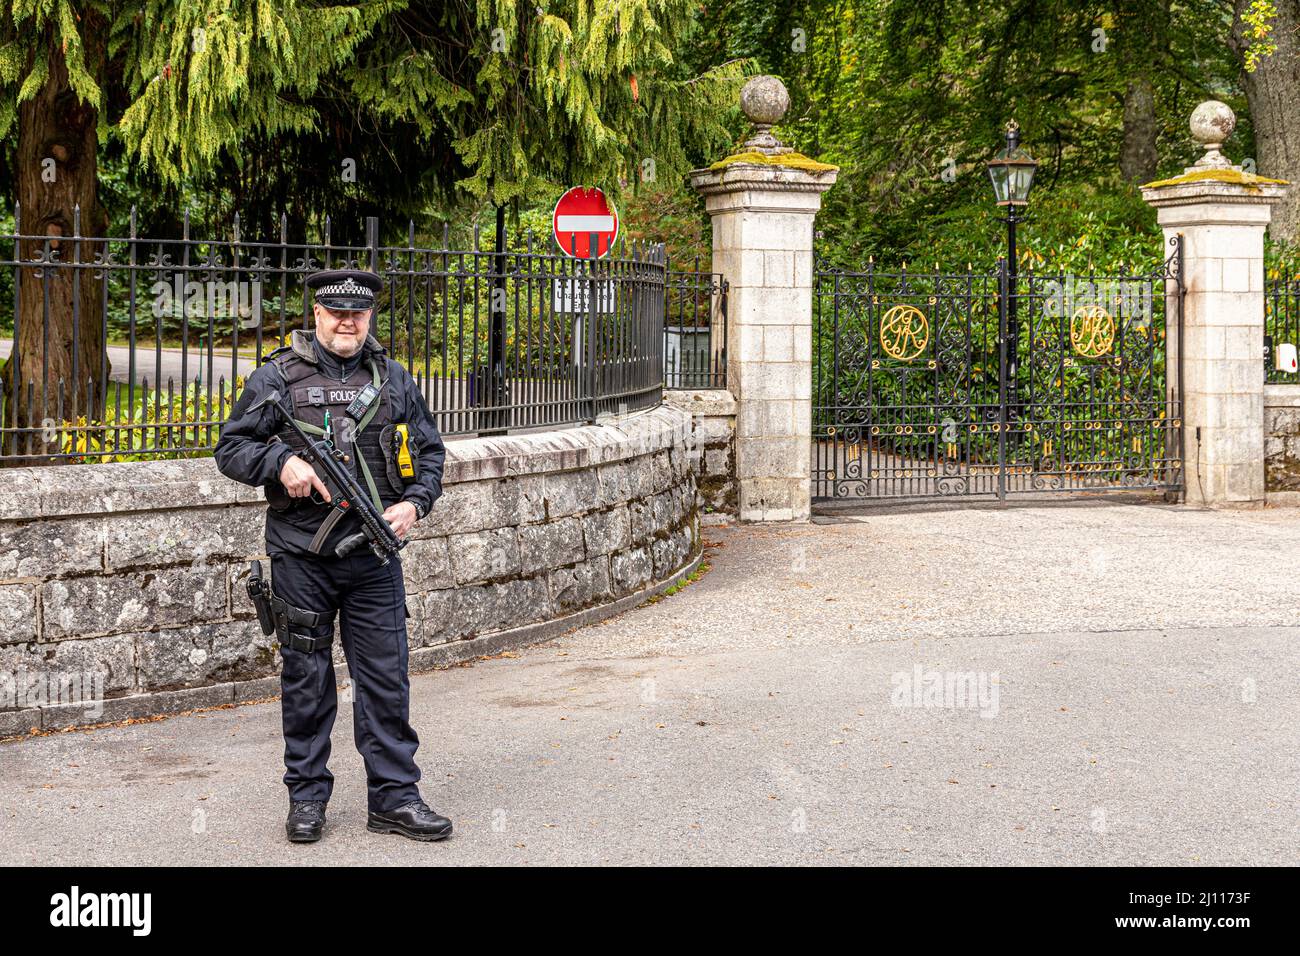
(904, 332)
(1092, 331)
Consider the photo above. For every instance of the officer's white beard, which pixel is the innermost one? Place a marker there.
(344, 346)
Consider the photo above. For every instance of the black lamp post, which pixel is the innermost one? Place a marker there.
(1012, 172)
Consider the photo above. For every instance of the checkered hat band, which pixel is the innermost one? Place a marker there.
(347, 287)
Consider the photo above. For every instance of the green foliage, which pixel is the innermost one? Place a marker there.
(149, 418)
(1258, 21)
(1102, 225)
(28, 36)
(306, 108)
(1282, 261)
(673, 216)
(910, 99)
(206, 75)
(584, 92)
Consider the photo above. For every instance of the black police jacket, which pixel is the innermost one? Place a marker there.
(245, 452)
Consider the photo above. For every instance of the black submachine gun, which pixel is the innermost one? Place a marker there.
(346, 496)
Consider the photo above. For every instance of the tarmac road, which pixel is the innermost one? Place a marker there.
(1132, 700)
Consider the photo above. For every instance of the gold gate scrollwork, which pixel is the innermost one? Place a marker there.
(1092, 331)
(904, 332)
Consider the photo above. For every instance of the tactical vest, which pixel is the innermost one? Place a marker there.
(368, 442)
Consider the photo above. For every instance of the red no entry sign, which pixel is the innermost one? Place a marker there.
(578, 214)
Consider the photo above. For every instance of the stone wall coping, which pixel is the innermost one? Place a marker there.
(702, 401)
(1281, 395)
(68, 491)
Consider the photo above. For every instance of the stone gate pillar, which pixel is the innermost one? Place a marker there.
(762, 201)
(1221, 212)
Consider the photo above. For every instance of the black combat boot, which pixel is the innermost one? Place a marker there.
(415, 820)
(306, 820)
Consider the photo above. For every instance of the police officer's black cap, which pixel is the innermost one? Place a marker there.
(345, 288)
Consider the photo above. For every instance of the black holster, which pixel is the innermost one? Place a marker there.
(291, 625)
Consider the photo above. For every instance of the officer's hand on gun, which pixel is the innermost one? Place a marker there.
(401, 516)
(300, 478)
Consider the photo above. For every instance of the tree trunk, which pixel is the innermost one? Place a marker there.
(1272, 93)
(1137, 154)
(59, 322)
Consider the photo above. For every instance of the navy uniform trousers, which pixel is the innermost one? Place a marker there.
(370, 601)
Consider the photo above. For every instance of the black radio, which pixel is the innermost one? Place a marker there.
(365, 398)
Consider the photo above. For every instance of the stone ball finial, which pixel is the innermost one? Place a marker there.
(1211, 124)
(764, 100)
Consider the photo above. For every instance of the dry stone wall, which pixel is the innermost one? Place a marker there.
(122, 586)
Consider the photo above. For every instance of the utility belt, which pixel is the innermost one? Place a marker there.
(291, 625)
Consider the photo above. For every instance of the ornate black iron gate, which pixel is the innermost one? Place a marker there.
(931, 384)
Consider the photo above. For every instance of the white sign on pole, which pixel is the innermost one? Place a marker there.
(572, 294)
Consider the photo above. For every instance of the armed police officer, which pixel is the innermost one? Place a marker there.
(339, 384)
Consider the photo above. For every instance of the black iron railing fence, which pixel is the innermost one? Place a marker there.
(1281, 327)
(495, 339)
(695, 329)
(989, 383)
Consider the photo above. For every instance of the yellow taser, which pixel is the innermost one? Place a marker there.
(401, 444)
